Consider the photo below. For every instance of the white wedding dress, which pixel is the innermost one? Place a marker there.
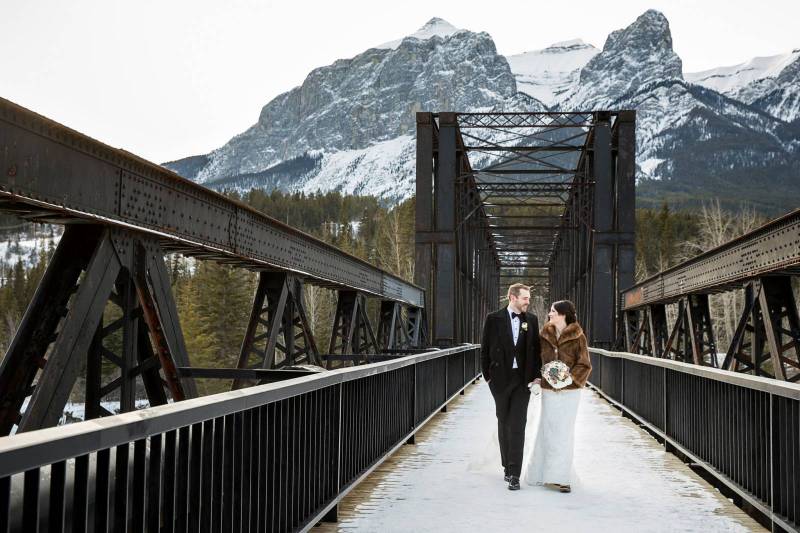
(549, 441)
(554, 444)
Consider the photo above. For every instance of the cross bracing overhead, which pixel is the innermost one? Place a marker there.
(516, 194)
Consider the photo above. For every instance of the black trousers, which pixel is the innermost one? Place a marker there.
(511, 407)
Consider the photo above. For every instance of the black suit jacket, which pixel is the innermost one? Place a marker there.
(498, 350)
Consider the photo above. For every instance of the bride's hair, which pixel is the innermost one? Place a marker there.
(566, 308)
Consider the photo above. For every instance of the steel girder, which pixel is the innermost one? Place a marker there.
(773, 249)
(123, 214)
(590, 263)
(63, 330)
(762, 263)
(526, 120)
(455, 258)
(393, 331)
(54, 174)
(767, 339)
(691, 338)
(523, 186)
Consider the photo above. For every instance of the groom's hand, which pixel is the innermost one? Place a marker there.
(536, 381)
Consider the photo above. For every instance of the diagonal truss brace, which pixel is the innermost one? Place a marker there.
(278, 332)
(62, 330)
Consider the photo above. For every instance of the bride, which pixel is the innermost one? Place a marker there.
(562, 339)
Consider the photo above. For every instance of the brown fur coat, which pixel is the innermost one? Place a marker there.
(571, 348)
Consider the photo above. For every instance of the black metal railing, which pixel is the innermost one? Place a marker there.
(742, 430)
(275, 457)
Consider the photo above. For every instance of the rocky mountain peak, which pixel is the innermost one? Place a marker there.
(631, 58)
(360, 102)
(435, 27)
(650, 31)
(350, 125)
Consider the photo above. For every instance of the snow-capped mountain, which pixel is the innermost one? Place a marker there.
(734, 79)
(631, 58)
(770, 83)
(691, 140)
(435, 27)
(350, 125)
(548, 74)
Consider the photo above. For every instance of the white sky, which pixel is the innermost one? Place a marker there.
(171, 78)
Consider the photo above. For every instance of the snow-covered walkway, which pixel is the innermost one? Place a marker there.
(627, 482)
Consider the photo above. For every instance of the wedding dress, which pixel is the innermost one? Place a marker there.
(551, 460)
(548, 440)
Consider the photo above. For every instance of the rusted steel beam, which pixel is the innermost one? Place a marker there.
(60, 175)
(769, 250)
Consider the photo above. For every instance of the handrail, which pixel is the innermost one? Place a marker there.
(770, 385)
(63, 442)
(741, 429)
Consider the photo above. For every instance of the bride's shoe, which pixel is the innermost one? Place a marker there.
(564, 488)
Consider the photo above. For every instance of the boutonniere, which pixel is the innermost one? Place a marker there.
(524, 326)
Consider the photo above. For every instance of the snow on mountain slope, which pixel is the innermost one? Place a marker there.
(385, 169)
(547, 74)
(733, 79)
(435, 27)
(771, 84)
(350, 126)
(358, 103)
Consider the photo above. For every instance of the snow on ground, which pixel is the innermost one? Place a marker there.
(627, 482)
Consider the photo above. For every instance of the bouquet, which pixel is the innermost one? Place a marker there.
(557, 374)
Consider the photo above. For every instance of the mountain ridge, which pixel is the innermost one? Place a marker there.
(350, 125)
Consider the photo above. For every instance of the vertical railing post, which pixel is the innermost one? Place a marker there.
(414, 403)
(666, 409)
(446, 379)
(333, 514)
(772, 459)
(463, 371)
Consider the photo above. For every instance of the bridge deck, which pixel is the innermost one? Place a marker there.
(627, 482)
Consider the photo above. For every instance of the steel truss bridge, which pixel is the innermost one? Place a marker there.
(542, 198)
(762, 265)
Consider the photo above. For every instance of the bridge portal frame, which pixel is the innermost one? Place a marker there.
(575, 241)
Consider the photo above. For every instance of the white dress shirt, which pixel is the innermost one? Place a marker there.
(515, 324)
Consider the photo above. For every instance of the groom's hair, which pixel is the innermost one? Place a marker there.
(516, 288)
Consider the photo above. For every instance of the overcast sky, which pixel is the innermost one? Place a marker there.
(165, 79)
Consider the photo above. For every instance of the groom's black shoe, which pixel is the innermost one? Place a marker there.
(513, 483)
(506, 478)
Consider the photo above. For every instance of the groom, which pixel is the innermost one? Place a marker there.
(511, 361)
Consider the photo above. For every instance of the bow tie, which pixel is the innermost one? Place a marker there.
(521, 316)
